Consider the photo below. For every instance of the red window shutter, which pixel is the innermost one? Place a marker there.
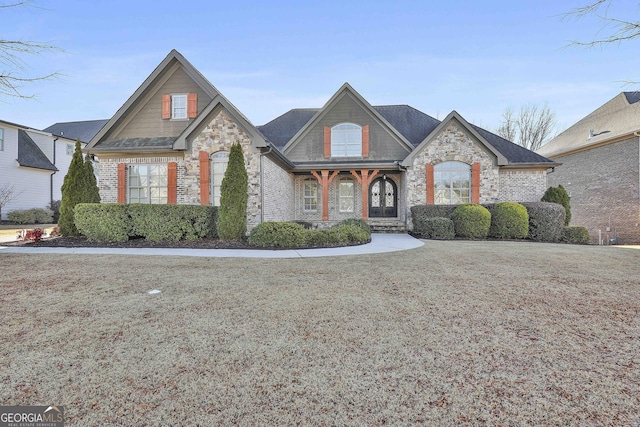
(172, 183)
(431, 189)
(192, 105)
(166, 106)
(365, 141)
(327, 142)
(475, 183)
(122, 183)
(205, 173)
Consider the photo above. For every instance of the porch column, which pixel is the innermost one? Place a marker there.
(365, 179)
(325, 181)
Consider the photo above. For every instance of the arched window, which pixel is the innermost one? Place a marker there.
(452, 182)
(346, 140)
(346, 191)
(219, 163)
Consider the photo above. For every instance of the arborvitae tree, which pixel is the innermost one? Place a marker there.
(232, 214)
(560, 196)
(92, 194)
(78, 187)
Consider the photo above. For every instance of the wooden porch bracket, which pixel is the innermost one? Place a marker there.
(364, 179)
(325, 181)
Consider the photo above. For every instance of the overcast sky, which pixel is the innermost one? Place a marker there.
(267, 57)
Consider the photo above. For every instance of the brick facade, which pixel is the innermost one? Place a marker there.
(603, 183)
(278, 198)
(522, 185)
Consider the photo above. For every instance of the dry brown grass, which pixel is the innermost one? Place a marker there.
(453, 333)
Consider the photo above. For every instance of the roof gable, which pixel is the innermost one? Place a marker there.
(345, 90)
(506, 152)
(173, 62)
(617, 118)
(30, 155)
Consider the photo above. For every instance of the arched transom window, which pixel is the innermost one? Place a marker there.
(346, 140)
(452, 182)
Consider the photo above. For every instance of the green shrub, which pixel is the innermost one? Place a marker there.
(509, 220)
(103, 222)
(358, 222)
(277, 234)
(54, 205)
(560, 196)
(306, 224)
(351, 233)
(546, 221)
(576, 235)
(232, 217)
(421, 212)
(31, 216)
(116, 222)
(435, 228)
(471, 221)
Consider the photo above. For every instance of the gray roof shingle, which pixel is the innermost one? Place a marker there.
(84, 130)
(513, 152)
(30, 155)
(136, 144)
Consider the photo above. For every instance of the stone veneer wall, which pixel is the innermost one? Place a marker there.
(604, 185)
(452, 144)
(219, 135)
(522, 185)
(278, 192)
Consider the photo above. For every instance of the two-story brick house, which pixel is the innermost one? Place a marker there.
(169, 143)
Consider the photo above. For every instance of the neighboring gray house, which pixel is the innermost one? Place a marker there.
(600, 158)
(169, 143)
(33, 163)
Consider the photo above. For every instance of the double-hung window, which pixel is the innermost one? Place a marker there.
(179, 106)
(346, 191)
(148, 184)
(346, 140)
(219, 162)
(452, 182)
(310, 195)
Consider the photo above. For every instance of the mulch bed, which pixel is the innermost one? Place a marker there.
(83, 242)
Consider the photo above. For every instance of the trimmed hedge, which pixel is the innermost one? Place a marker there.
(559, 195)
(117, 223)
(277, 234)
(546, 221)
(435, 228)
(509, 220)
(31, 216)
(292, 235)
(103, 222)
(576, 235)
(471, 221)
(358, 222)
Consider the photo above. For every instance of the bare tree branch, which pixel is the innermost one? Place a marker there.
(13, 66)
(530, 129)
(621, 29)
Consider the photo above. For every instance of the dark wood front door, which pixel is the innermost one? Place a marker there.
(383, 198)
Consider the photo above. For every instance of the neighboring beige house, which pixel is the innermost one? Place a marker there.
(169, 143)
(600, 158)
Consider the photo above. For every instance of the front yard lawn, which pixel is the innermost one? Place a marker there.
(453, 333)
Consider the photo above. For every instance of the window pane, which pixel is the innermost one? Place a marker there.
(346, 140)
(452, 182)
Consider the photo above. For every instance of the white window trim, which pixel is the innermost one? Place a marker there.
(305, 197)
(217, 157)
(352, 196)
(186, 106)
(342, 150)
(453, 166)
(148, 186)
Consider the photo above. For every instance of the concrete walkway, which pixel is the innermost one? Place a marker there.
(380, 243)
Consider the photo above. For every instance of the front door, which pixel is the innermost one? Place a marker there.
(383, 198)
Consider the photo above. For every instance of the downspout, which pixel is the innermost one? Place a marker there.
(262, 154)
(54, 172)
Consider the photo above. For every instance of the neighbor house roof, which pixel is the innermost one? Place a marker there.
(30, 155)
(83, 130)
(618, 118)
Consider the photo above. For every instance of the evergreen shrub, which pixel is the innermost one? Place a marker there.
(278, 234)
(358, 222)
(103, 222)
(560, 196)
(575, 235)
(31, 216)
(509, 220)
(546, 221)
(471, 221)
(232, 214)
(435, 228)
